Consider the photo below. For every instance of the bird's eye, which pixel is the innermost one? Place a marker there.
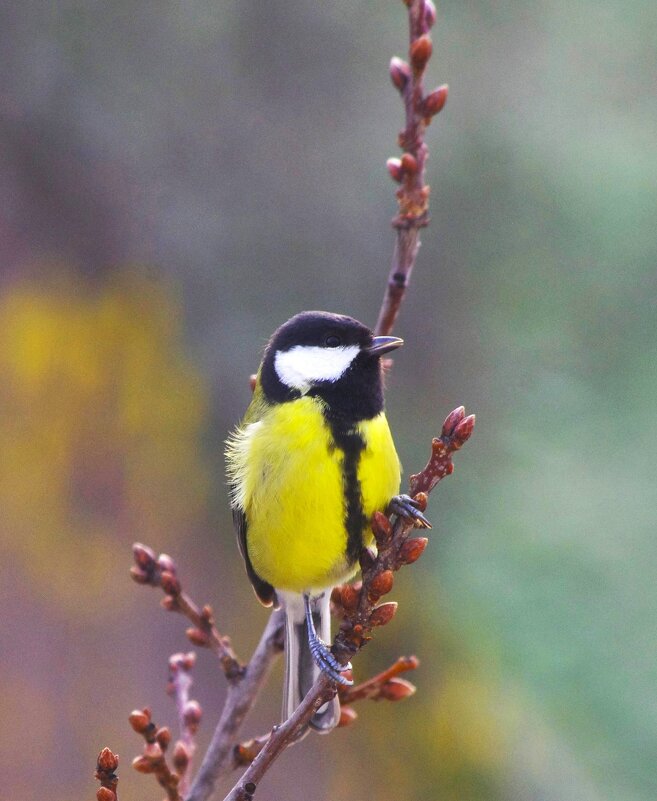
(332, 342)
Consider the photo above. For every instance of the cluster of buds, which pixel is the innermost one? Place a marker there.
(161, 571)
(358, 604)
(421, 108)
(106, 766)
(153, 758)
(157, 571)
(456, 431)
(385, 686)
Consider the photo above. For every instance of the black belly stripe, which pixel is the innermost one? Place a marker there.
(352, 445)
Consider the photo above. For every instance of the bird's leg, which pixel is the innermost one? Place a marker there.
(323, 657)
(405, 506)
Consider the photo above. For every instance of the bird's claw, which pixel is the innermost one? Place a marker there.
(328, 664)
(405, 506)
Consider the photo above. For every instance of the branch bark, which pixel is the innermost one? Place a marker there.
(218, 759)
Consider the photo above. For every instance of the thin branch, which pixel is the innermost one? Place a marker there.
(409, 170)
(162, 572)
(281, 736)
(218, 759)
(189, 715)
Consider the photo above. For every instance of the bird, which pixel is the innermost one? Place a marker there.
(309, 464)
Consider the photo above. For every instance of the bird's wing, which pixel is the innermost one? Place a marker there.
(265, 592)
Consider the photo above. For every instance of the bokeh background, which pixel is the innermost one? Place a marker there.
(178, 178)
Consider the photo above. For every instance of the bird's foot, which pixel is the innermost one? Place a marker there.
(405, 506)
(321, 652)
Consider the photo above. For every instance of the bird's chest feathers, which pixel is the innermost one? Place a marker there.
(309, 488)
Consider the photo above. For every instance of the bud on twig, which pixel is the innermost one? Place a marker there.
(381, 584)
(412, 549)
(192, 715)
(348, 716)
(409, 163)
(400, 73)
(180, 757)
(105, 794)
(397, 689)
(396, 173)
(140, 720)
(383, 613)
(429, 14)
(434, 102)
(421, 50)
(142, 765)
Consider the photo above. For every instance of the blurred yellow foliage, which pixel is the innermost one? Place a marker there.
(101, 414)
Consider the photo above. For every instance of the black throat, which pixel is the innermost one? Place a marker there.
(357, 396)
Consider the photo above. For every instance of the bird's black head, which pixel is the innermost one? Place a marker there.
(331, 356)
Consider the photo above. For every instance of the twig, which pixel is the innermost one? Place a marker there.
(281, 736)
(153, 759)
(218, 759)
(106, 765)
(162, 572)
(189, 715)
(385, 685)
(409, 170)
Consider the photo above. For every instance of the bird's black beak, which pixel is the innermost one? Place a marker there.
(381, 345)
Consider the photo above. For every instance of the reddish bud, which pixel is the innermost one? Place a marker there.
(192, 715)
(382, 584)
(163, 737)
(395, 169)
(253, 378)
(409, 163)
(170, 583)
(381, 528)
(180, 757)
(153, 752)
(412, 549)
(169, 603)
(452, 420)
(138, 575)
(421, 50)
(165, 562)
(349, 597)
(143, 555)
(140, 720)
(207, 613)
(434, 102)
(198, 637)
(400, 73)
(336, 595)
(463, 432)
(347, 716)
(397, 689)
(142, 765)
(383, 613)
(105, 794)
(429, 14)
(107, 761)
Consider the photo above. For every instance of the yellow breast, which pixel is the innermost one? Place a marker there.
(289, 482)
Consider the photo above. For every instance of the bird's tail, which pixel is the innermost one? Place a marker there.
(300, 668)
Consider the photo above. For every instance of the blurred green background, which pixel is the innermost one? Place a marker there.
(178, 178)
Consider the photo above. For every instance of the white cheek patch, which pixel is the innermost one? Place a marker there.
(304, 365)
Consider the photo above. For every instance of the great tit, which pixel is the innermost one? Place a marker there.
(307, 467)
